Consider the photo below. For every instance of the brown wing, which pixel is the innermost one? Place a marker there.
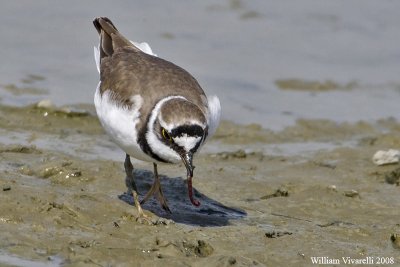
(127, 71)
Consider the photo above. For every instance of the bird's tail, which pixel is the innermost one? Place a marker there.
(110, 38)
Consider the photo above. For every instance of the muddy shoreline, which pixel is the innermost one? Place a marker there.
(268, 198)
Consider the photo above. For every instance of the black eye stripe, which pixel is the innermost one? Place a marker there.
(190, 130)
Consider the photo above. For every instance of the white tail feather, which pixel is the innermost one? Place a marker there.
(97, 58)
(144, 47)
(214, 109)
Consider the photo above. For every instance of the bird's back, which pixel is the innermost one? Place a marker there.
(127, 71)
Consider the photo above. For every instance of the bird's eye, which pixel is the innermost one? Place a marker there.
(166, 135)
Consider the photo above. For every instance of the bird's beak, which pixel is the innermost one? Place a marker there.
(187, 159)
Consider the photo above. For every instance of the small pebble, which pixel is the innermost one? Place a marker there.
(390, 156)
(393, 177)
(203, 249)
(395, 238)
(332, 188)
(231, 260)
(6, 188)
(351, 193)
(275, 234)
(45, 103)
(74, 174)
(280, 192)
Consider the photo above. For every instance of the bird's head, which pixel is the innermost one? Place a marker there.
(181, 126)
(177, 132)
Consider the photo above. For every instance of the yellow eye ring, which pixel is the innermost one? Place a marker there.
(166, 135)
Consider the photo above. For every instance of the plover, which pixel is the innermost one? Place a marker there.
(152, 109)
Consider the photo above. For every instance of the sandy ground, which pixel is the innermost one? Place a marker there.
(268, 198)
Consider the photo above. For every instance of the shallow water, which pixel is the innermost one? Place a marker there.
(236, 49)
(11, 260)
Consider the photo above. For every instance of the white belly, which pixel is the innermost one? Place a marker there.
(120, 123)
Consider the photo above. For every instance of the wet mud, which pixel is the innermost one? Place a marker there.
(267, 198)
(313, 86)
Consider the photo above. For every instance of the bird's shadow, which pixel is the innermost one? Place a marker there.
(209, 213)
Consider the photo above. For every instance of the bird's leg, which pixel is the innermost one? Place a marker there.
(160, 195)
(132, 189)
(156, 189)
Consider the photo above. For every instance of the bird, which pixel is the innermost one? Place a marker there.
(154, 110)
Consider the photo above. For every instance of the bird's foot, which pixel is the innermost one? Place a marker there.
(144, 219)
(157, 192)
(153, 220)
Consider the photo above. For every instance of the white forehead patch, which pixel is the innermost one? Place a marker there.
(187, 142)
